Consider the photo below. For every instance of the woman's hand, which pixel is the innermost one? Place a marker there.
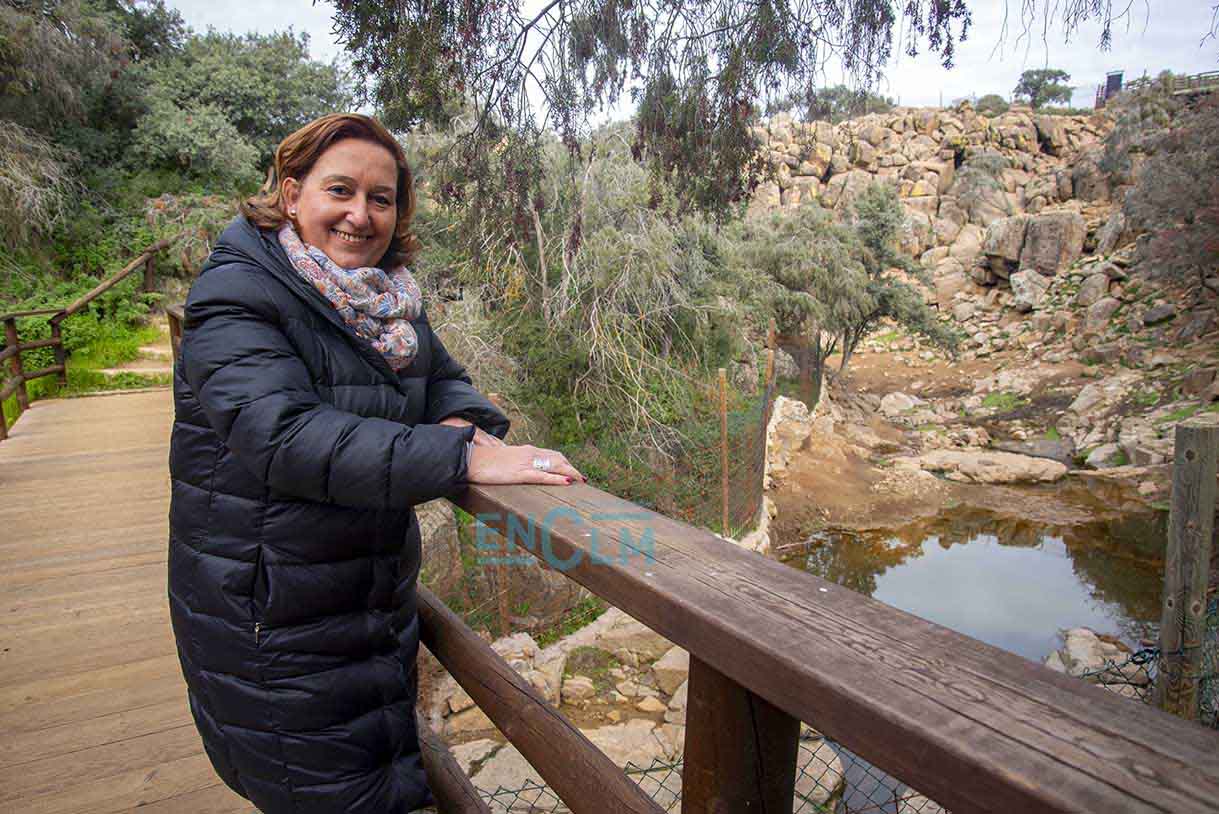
(514, 464)
(481, 439)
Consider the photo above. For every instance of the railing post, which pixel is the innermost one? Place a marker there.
(61, 355)
(149, 269)
(14, 362)
(173, 314)
(724, 450)
(740, 751)
(1186, 565)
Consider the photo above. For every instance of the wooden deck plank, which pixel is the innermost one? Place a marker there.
(24, 747)
(217, 799)
(93, 712)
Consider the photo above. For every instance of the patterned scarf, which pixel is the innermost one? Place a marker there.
(376, 304)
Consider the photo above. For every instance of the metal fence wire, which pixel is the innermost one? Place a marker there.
(679, 471)
(830, 779)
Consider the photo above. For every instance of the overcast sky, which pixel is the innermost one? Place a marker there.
(1158, 34)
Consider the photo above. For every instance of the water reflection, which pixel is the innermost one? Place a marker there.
(1003, 579)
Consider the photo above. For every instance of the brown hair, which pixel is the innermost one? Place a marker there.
(297, 154)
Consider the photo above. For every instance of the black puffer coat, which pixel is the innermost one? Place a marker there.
(296, 457)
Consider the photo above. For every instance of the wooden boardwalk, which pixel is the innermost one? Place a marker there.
(93, 715)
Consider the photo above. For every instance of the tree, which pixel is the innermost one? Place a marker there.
(52, 55)
(992, 104)
(878, 218)
(264, 85)
(697, 71)
(1042, 86)
(816, 284)
(835, 104)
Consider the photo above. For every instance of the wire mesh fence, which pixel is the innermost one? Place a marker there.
(684, 474)
(830, 779)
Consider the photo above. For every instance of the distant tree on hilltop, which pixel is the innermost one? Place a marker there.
(834, 104)
(992, 104)
(1042, 86)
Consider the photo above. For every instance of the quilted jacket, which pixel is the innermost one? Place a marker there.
(296, 456)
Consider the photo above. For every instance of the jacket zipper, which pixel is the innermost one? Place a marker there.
(257, 633)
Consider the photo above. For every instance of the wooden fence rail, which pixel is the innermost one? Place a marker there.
(14, 347)
(973, 727)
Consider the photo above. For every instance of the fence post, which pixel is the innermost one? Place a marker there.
(14, 362)
(724, 449)
(149, 269)
(1186, 565)
(61, 355)
(740, 751)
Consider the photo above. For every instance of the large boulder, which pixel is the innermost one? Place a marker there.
(844, 188)
(1028, 290)
(1052, 134)
(1094, 287)
(950, 278)
(968, 244)
(979, 466)
(791, 424)
(1053, 241)
(1110, 236)
(1099, 313)
(1088, 180)
(1005, 237)
(988, 204)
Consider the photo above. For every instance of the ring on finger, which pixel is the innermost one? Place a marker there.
(542, 464)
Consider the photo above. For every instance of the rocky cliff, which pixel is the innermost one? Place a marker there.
(1070, 333)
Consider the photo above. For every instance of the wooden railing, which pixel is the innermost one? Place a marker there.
(175, 315)
(971, 726)
(13, 346)
(1196, 83)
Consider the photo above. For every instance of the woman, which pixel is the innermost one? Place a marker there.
(314, 406)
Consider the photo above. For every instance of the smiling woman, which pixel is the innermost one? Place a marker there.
(349, 217)
(314, 407)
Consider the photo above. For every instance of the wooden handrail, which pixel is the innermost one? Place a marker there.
(971, 726)
(454, 792)
(142, 258)
(13, 347)
(583, 777)
(176, 316)
(38, 312)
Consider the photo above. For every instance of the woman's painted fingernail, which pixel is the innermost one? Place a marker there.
(569, 481)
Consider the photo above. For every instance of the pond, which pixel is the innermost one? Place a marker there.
(1009, 581)
(1009, 572)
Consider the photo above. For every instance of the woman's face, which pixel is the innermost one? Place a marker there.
(347, 204)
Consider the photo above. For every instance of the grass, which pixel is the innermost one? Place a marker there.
(1052, 434)
(594, 663)
(1002, 402)
(1180, 414)
(84, 370)
(889, 337)
(1147, 398)
(585, 611)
